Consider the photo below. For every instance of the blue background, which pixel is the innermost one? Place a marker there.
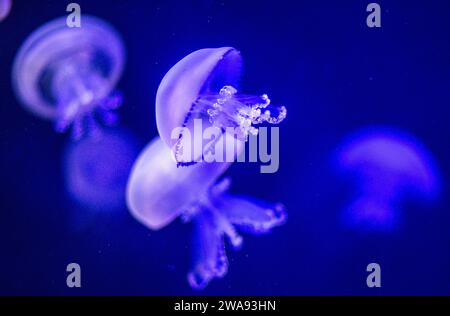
(335, 76)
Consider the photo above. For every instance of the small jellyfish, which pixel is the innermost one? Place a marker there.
(68, 75)
(387, 167)
(5, 8)
(96, 169)
(161, 187)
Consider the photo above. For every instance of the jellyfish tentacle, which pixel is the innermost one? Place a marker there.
(217, 215)
(251, 215)
(112, 102)
(227, 228)
(210, 260)
(107, 108)
(87, 117)
(230, 109)
(246, 212)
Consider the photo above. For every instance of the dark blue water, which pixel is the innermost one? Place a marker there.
(335, 76)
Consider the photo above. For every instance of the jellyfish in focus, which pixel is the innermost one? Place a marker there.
(68, 75)
(5, 8)
(388, 168)
(161, 187)
(159, 191)
(96, 169)
(203, 85)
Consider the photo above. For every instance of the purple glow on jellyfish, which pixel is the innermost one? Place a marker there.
(68, 75)
(96, 169)
(388, 167)
(5, 8)
(203, 85)
(161, 187)
(159, 191)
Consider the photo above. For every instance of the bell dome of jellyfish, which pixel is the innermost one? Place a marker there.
(388, 168)
(68, 75)
(96, 169)
(202, 86)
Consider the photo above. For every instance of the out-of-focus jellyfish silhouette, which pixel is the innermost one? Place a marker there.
(68, 75)
(96, 169)
(388, 167)
(161, 187)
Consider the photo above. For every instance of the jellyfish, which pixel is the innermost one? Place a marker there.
(388, 167)
(5, 8)
(96, 169)
(68, 75)
(162, 187)
(158, 192)
(203, 86)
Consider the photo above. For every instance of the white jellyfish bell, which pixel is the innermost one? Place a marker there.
(68, 75)
(161, 188)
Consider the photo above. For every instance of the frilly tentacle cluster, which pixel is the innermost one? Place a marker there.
(220, 214)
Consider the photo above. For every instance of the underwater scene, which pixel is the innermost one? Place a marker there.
(221, 147)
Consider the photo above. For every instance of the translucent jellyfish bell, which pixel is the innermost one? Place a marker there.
(158, 191)
(203, 85)
(68, 75)
(388, 167)
(96, 169)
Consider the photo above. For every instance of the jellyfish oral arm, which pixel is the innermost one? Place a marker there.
(218, 215)
(229, 112)
(243, 112)
(82, 101)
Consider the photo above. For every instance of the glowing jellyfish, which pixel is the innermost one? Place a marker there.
(68, 75)
(388, 167)
(203, 85)
(159, 189)
(5, 8)
(96, 169)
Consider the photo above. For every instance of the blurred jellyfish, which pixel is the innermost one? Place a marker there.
(5, 8)
(161, 187)
(388, 167)
(96, 169)
(68, 75)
